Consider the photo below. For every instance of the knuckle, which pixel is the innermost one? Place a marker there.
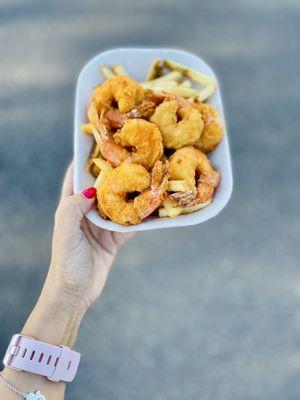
(68, 207)
(63, 208)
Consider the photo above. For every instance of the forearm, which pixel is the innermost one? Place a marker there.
(54, 320)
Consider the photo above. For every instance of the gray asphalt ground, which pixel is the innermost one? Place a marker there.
(208, 312)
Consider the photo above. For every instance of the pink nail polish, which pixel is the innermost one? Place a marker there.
(90, 192)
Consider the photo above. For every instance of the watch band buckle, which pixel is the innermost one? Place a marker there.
(12, 351)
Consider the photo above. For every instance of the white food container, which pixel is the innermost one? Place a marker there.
(137, 62)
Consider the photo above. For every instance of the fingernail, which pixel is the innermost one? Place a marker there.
(90, 192)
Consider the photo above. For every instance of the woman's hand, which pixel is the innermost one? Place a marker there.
(81, 258)
(82, 253)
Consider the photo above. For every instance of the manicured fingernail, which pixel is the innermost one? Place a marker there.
(90, 192)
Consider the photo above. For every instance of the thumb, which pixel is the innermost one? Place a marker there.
(72, 209)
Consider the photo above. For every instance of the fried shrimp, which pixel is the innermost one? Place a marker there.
(124, 182)
(145, 139)
(180, 124)
(120, 92)
(193, 166)
(138, 141)
(213, 127)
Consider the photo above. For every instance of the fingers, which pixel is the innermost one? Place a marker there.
(72, 209)
(67, 187)
(109, 240)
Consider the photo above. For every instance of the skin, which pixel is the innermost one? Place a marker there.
(82, 255)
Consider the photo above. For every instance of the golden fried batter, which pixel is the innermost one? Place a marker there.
(113, 194)
(188, 162)
(179, 126)
(122, 90)
(138, 141)
(119, 91)
(213, 127)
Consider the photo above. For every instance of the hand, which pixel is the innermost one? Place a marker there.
(82, 253)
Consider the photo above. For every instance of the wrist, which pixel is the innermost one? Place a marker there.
(59, 303)
(56, 317)
(61, 296)
(53, 325)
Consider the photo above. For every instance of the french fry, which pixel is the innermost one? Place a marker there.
(95, 171)
(166, 83)
(96, 165)
(97, 137)
(105, 169)
(196, 76)
(178, 186)
(169, 211)
(180, 91)
(207, 92)
(186, 83)
(119, 70)
(100, 162)
(191, 73)
(87, 128)
(106, 72)
(98, 180)
(155, 70)
(94, 153)
(171, 76)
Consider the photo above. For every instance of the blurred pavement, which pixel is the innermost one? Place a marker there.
(208, 312)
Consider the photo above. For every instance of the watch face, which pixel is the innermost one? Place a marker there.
(35, 396)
